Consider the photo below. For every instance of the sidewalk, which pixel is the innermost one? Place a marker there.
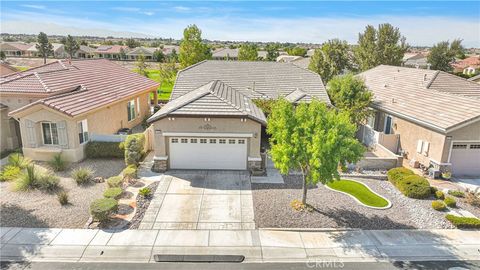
(81, 245)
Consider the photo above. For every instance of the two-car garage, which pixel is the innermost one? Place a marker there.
(465, 158)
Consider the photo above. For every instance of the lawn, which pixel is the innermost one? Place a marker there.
(359, 191)
(165, 90)
(21, 68)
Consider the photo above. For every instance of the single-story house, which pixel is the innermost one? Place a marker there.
(225, 54)
(212, 122)
(58, 107)
(15, 48)
(148, 52)
(111, 51)
(429, 117)
(85, 52)
(468, 66)
(58, 50)
(416, 60)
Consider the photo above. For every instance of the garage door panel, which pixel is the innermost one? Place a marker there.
(208, 153)
(465, 159)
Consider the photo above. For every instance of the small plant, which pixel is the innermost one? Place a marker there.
(62, 197)
(464, 222)
(113, 193)
(433, 190)
(82, 175)
(130, 172)
(450, 201)
(439, 195)
(9, 173)
(18, 160)
(456, 193)
(101, 209)
(27, 179)
(439, 205)
(145, 192)
(47, 181)
(115, 181)
(446, 175)
(472, 199)
(57, 163)
(299, 206)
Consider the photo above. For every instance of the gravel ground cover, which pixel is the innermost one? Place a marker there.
(142, 206)
(336, 210)
(40, 209)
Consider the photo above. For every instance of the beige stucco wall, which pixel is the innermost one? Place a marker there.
(4, 130)
(468, 133)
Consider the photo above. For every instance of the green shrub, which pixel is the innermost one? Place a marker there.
(396, 174)
(82, 175)
(47, 181)
(456, 193)
(439, 195)
(414, 186)
(433, 190)
(113, 193)
(104, 150)
(27, 179)
(9, 173)
(439, 205)
(450, 201)
(114, 182)
(57, 163)
(101, 209)
(464, 222)
(62, 197)
(130, 172)
(134, 145)
(18, 160)
(145, 192)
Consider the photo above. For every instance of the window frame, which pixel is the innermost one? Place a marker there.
(51, 134)
(131, 115)
(84, 134)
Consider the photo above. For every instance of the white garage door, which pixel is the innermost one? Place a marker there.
(465, 159)
(208, 153)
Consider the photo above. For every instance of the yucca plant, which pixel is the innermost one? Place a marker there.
(57, 163)
(18, 160)
(27, 179)
(82, 175)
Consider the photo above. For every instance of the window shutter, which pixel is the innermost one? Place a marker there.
(419, 146)
(62, 134)
(426, 146)
(31, 135)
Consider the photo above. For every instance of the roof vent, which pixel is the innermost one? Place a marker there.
(393, 100)
(385, 85)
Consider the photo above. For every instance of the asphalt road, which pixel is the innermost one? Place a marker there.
(452, 265)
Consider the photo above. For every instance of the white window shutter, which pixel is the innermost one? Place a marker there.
(426, 146)
(138, 106)
(31, 134)
(62, 134)
(419, 146)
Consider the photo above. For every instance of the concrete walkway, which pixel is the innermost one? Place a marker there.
(78, 245)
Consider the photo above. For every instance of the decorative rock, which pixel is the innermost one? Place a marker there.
(98, 179)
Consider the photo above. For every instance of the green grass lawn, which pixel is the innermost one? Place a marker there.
(165, 90)
(359, 191)
(21, 68)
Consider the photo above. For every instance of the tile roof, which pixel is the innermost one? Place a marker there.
(259, 79)
(20, 46)
(142, 50)
(225, 52)
(78, 86)
(212, 99)
(472, 61)
(303, 62)
(86, 49)
(111, 49)
(423, 96)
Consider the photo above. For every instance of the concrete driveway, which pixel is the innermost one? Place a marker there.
(201, 200)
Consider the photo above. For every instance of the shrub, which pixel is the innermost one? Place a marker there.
(104, 150)
(134, 145)
(113, 193)
(464, 222)
(396, 174)
(472, 199)
(145, 192)
(27, 179)
(456, 193)
(101, 209)
(433, 190)
(414, 186)
(130, 172)
(439, 195)
(114, 182)
(9, 173)
(62, 197)
(439, 205)
(450, 201)
(82, 175)
(47, 181)
(18, 160)
(57, 163)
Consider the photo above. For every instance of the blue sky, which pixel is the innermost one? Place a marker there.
(423, 23)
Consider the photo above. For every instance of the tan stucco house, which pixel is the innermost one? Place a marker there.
(212, 122)
(431, 118)
(58, 107)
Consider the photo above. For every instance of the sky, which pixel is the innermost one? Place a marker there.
(423, 23)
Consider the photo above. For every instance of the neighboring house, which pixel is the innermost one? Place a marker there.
(416, 60)
(6, 69)
(111, 51)
(15, 48)
(225, 54)
(85, 52)
(303, 62)
(475, 78)
(212, 122)
(145, 51)
(287, 58)
(59, 106)
(168, 49)
(58, 51)
(468, 66)
(430, 117)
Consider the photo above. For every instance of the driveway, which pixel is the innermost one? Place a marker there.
(201, 200)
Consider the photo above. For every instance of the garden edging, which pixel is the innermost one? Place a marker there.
(360, 203)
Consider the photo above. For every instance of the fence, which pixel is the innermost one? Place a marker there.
(120, 138)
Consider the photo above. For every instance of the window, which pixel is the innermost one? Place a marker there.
(459, 146)
(138, 106)
(174, 140)
(82, 131)
(222, 141)
(193, 140)
(50, 133)
(203, 140)
(131, 110)
(474, 146)
(371, 121)
(388, 125)
(213, 140)
(231, 141)
(241, 141)
(183, 140)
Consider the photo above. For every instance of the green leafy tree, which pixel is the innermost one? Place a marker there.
(384, 45)
(443, 54)
(350, 95)
(248, 52)
(330, 59)
(272, 52)
(131, 43)
(192, 48)
(71, 46)
(173, 57)
(313, 139)
(83, 42)
(158, 56)
(167, 72)
(44, 47)
(141, 65)
(297, 51)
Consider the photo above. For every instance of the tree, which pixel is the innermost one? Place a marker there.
(158, 56)
(122, 54)
(167, 72)
(272, 52)
(248, 52)
(330, 59)
(2, 55)
(443, 54)
(132, 43)
(313, 139)
(192, 48)
(297, 51)
(350, 94)
(384, 45)
(44, 47)
(141, 65)
(83, 42)
(71, 46)
(173, 57)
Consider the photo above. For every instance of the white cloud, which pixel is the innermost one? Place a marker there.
(127, 9)
(148, 13)
(33, 6)
(182, 9)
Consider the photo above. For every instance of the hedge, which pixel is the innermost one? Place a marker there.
(464, 222)
(104, 150)
(113, 193)
(396, 174)
(134, 145)
(414, 186)
(450, 201)
(101, 209)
